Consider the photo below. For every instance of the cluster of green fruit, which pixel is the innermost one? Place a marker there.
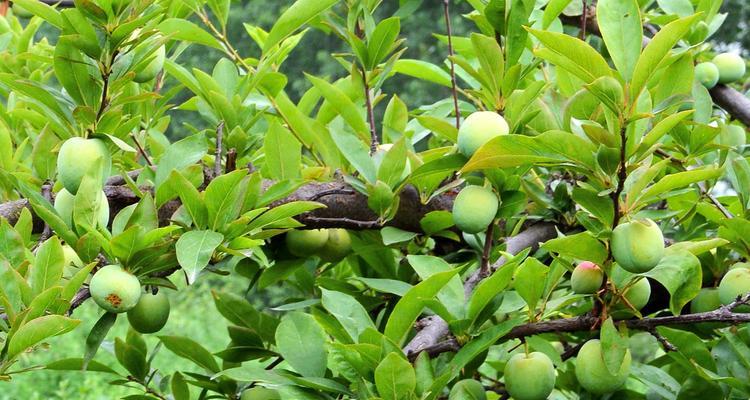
(724, 68)
(475, 207)
(330, 245)
(117, 291)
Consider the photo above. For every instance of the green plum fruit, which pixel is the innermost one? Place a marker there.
(707, 74)
(151, 312)
(76, 156)
(732, 135)
(304, 243)
(64, 205)
(592, 372)
(735, 283)
(260, 393)
(467, 389)
(637, 295)
(71, 261)
(474, 209)
(587, 278)
(731, 67)
(529, 376)
(745, 265)
(115, 289)
(706, 300)
(478, 128)
(637, 246)
(153, 68)
(338, 245)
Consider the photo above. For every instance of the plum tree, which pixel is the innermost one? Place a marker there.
(593, 374)
(474, 208)
(529, 376)
(151, 312)
(637, 296)
(707, 74)
(731, 67)
(149, 72)
(64, 205)
(115, 289)
(75, 158)
(637, 246)
(732, 135)
(478, 129)
(337, 246)
(735, 283)
(587, 278)
(304, 243)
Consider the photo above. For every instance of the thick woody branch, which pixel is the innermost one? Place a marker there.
(435, 328)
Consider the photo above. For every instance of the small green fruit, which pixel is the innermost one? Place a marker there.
(740, 265)
(735, 283)
(151, 312)
(467, 389)
(478, 128)
(76, 157)
(732, 135)
(115, 289)
(71, 261)
(731, 67)
(706, 300)
(593, 374)
(64, 205)
(260, 393)
(153, 68)
(587, 278)
(529, 377)
(474, 209)
(707, 74)
(338, 245)
(637, 246)
(637, 295)
(304, 243)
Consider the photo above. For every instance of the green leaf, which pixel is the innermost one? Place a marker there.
(194, 251)
(47, 269)
(529, 281)
(348, 311)
(179, 155)
(76, 73)
(656, 51)
(37, 330)
(553, 9)
(224, 197)
(391, 170)
(614, 347)
(301, 341)
(678, 180)
(572, 54)
(393, 235)
(96, 337)
(301, 12)
(282, 212)
(680, 273)
(516, 35)
(488, 289)
(382, 40)
(240, 312)
(663, 127)
(184, 30)
(395, 378)
(76, 364)
(422, 70)
(283, 153)
(491, 61)
(45, 11)
(580, 246)
(192, 351)
(191, 198)
(357, 153)
(343, 105)
(620, 24)
(410, 306)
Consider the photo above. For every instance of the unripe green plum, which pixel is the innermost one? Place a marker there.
(593, 374)
(474, 209)
(637, 295)
(21, 12)
(735, 283)
(478, 128)
(153, 68)
(151, 312)
(731, 67)
(338, 245)
(529, 377)
(706, 300)
(76, 157)
(304, 243)
(71, 261)
(740, 265)
(260, 393)
(707, 74)
(587, 278)
(637, 246)
(64, 205)
(732, 135)
(115, 289)
(467, 389)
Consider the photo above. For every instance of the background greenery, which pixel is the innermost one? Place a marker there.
(193, 313)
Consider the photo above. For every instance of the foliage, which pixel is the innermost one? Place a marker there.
(604, 129)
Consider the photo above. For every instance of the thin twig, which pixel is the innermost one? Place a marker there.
(484, 266)
(47, 194)
(584, 17)
(668, 346)
(454, 90)
(231, 163)
(370, 114)
(622, 175)
(343, 221)
(331, 192)
(217, 154)
(141, 150)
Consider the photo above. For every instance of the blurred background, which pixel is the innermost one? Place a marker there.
(193, 313)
